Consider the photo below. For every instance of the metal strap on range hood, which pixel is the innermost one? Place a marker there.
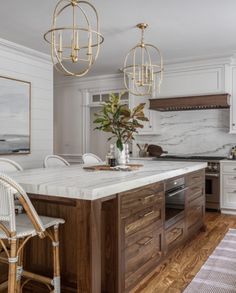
(204, 102)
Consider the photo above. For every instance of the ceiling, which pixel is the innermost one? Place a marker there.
(180, 28)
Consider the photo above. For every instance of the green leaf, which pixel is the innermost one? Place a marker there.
(143, 118)
(98, 120)
(119, 144)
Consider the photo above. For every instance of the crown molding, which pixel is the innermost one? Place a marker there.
(24, 51)
(83, 82)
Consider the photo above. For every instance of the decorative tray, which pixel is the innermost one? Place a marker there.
(127, 167)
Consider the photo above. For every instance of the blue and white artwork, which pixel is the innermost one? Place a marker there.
(14, 116)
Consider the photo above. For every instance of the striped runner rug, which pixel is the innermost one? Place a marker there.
(218, 274)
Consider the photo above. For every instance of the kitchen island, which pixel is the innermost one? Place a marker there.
(115, 232)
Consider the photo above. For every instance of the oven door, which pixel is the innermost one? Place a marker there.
(175, 203)
(213, 190)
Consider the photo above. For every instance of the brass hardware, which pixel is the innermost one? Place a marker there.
(148, 197)
(74, 43)
(149, 214)
(146, 242)
(196, 177)
(143, 77)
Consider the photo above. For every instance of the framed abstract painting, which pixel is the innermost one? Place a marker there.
(15, 100)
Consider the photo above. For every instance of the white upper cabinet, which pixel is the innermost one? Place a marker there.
(193, 81)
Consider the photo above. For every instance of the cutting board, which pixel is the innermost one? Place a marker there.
(131, 167)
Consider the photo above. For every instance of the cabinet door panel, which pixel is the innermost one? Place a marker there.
(175, 234)
(148, 255)
(195, 214)
(138, 199)
(143, 218)
(229, 198)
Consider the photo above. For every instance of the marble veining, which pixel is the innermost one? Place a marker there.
(200, 132)
(75, 182)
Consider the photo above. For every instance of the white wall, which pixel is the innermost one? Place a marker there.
(72, 128)
(22, 63)
(68, 119)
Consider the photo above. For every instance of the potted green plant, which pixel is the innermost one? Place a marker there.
(122, 122)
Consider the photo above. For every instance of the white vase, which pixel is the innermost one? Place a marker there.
(122, 157)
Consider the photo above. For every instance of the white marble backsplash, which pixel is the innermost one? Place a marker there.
(200, 132)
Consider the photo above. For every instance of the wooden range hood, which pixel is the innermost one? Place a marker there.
(217, 101)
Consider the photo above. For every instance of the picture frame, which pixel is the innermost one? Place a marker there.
(15, 116)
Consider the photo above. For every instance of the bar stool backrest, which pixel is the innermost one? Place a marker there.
(55, 161)
(90, 158)
(8, 189)
(8, 166)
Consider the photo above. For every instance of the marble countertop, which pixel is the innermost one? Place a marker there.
(75, 182)
(228, 161)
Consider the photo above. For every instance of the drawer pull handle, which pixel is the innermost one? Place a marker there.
(233, 191)
(148, 197)
(212, 175)
(196, 188)
(196, 177)
(146, 242)
(148, 214)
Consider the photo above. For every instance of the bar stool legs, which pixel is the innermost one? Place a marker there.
(12, 260)
(16, 271)
(56, 260)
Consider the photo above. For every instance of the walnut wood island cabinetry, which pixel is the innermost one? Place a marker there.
(110, 243)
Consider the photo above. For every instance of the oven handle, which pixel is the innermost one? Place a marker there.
(212, 175)
(176, 192)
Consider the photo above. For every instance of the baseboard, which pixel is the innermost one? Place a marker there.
(228, 211)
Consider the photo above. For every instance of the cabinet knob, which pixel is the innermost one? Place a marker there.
(233, 124)
(150, 126)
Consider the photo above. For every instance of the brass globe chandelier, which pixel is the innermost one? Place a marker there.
(142, 75)
(74, 46)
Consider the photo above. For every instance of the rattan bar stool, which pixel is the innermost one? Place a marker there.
(17, 229)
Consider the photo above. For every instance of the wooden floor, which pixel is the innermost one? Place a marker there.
(176, 273)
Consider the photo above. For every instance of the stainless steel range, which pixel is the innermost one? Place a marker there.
(212, 176)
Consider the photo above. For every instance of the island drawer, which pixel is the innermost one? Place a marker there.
(195, 177)
(195, 191)
(145, 252)
(138, 199)
(175, 234)
(195, 213)
(142, 219)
